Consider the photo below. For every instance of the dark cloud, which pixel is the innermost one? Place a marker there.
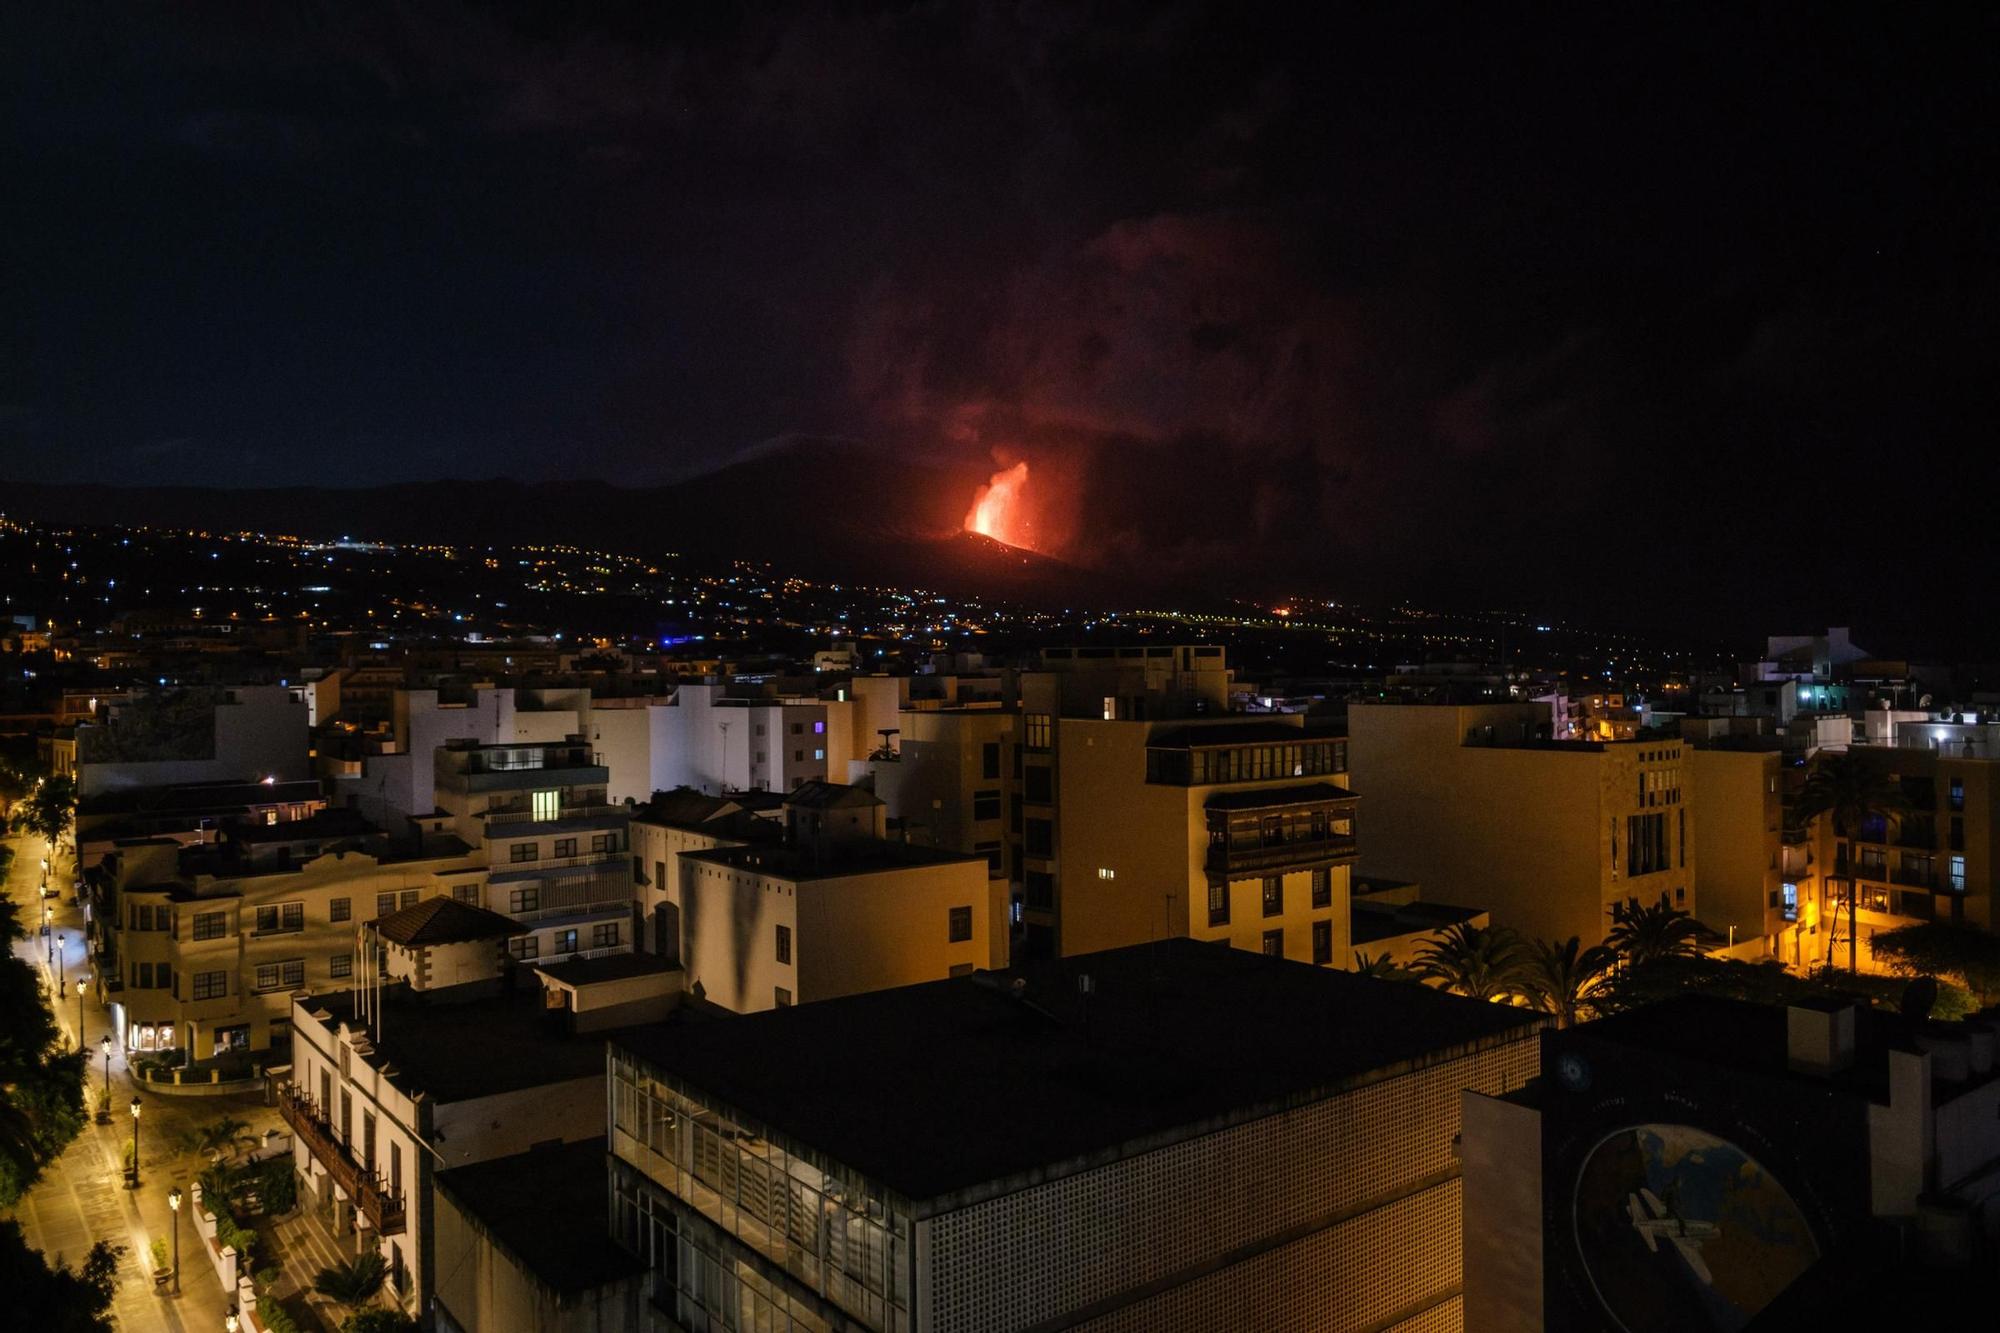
(1404, 298)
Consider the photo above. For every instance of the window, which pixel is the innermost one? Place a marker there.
(142, 976)
(798, 756)
(524, 851)
(819, 754)
(1036, 730)
(210, 985)
(1322, 890)
(566, 941)
(1274, 895)
(1645, 843)
(660, 875)
(280, 918)
(604, 935)
(960, 925)
(1322, 942)
(1218, 904)
(819, 728)
(1274, 944)
(784, 946)
(524, 900)
(407, 898)
(210, 925)
(524, 947)
(1957, 794)
(1106, 872)
(1038, 890)
(340, 909)
(603, 842)
(565, 847)
(545, 805)
(995, 867)
(1038, 784)
(341, 965)
(385, 903)
(781, 997)
(466, 893)
(1955, 868)
(798, 728)
(267, 976)
(986, 804)
(989, 760)
(1040, 837)
(760, 728)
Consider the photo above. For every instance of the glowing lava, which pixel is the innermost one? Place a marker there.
(1000, 510)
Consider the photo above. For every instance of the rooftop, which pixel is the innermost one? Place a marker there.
(818, 795)
(442, 920)
(337, 822)
(197, 798)
(545, 1209)
(445, 1046)
(611, 967)
(1240, 733)
(832, 860)
(1372, 922)
(952, 1085)
(1754, 1038)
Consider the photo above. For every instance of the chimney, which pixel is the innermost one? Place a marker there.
(1820, 1036)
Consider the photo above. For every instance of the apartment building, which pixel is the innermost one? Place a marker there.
(557, 852)
(1472, 802)
(390, 773)
(674, 823)
(1174, 1136)
(1704, 1163)
(1735, 798)
(1937, 861)
(716, 742)
(167, 737)
(205, 946)
(385, 1089)
(833, 910)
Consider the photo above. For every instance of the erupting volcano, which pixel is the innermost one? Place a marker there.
(1000, 508)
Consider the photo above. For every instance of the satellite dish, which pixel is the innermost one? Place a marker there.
(1919, 998)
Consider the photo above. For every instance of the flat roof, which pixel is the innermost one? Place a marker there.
(454, 1049)
(952, 1085)
(545, 1209)
(1369, 923)
(1242, 733)
(611, 967)
(836, 860)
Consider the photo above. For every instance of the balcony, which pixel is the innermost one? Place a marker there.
(1261, 858)
(578, 811)
(388, 1212)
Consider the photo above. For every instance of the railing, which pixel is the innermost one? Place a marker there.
(1228, 860)
(387, 1211)
(592, 811)
(505, 870)
(548, 911)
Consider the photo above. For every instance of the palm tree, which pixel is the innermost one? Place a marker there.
(1380, 966)
(1853, 788)
(222, 1138)
(1564, 978)
(1644, 934)
(1480, 963)
(353, 1283)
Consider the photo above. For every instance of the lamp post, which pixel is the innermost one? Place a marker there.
(174, 1207)
(104, 1044)
(135, 1142)
(81, 984)
(49, 930)
(62, 961)
(229, 1322)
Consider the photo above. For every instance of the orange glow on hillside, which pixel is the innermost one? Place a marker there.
(999, 510)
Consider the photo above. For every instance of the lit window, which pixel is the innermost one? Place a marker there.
(1105, 872)
(546, 805)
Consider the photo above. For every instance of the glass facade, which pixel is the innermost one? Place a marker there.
(1201, 767)
(836, 1234)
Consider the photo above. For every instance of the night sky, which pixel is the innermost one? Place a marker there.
(1694, 315)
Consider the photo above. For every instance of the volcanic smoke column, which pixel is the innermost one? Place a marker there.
(999, 510)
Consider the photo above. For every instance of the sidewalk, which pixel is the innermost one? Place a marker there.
(81, 1198)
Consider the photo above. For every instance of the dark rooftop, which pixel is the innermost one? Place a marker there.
(1370, 922)
(191, 798)
(818, 795)
(1268, 798)
(442, 920)
(860, 856)
(1241, 733)
(455, 1049)
(682, 806)
(611, 967)
(545, 1209)
(951, 1085)
(1742, 1035)
(337, 822)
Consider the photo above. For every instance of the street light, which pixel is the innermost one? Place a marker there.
(135, 1142)
(174, 1207)
(48, 929)
(62, 961)
(81, 983)
(229, 1322)
(104, 1044)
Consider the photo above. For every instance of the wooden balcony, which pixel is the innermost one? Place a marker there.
(388, 1212)
(1266, 858)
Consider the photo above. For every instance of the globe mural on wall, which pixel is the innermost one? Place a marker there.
(1679, 1230)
